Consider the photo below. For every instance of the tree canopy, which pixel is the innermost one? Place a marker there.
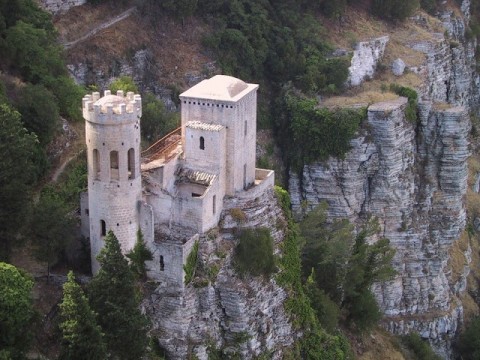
(81, 336)
(17, 148)
(16, 312)
(113, 297)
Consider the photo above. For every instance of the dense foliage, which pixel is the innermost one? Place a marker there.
(316, 343)
(51, 228)
(17, 148)
(420, 348)
(344, 266)
(81, 336)
(328, 131)
(138, 255)
(30, 108)
(254, 252)
(113, 297)
(468, 344)
(16, 312)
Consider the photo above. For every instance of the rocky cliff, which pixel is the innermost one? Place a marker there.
(242, 316)
(413, 177)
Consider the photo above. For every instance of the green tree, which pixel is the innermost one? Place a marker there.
(138, 255)
(81, 336)
(368, 264)
(124, 83)
(51, 229)
(39, 112)
(394, 10)
(327, 250)
(113, 297)
(16, 312)
(17, 152)
(33, 51)
(156, 120)
(469, 341)
(254, 252)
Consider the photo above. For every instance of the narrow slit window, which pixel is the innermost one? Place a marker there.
(131, 164)
(162, 264)
(103, 228)
(202, 143)
(96, 164)
(245, 128)
(114, 173)
(214, 204)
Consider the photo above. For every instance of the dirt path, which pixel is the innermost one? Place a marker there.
(58, 171)
(100, 27)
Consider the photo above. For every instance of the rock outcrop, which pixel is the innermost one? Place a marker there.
(365, 59)
(59, 6)
(221, 310)
(414, 181)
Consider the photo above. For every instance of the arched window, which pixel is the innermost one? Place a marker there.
(103, 228)
(114, 173)
(96, 164)
(131, 163)
(202, 143)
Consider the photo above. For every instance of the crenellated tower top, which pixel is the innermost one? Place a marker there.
(112, 109)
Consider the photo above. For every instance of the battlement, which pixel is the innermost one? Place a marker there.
(112, 109)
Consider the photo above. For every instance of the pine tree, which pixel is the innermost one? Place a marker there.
(113, 296)
(82, 337)
(138, 255)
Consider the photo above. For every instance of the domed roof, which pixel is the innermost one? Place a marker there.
(114, 100)
(219, 87)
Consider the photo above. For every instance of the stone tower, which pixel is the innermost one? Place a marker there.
(112, 131)
(232, 103)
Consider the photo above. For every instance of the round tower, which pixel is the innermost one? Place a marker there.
(112, 132)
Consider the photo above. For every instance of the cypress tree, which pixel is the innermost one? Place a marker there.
(138, 255)
(82, 337)
(113, 296)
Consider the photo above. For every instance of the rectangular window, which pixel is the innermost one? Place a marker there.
(214, 204)
(131, 164)
(96, 164)
(114, 173)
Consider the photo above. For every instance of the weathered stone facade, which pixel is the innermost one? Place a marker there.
(179, 191)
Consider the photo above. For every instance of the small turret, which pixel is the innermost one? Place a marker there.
(112, 130)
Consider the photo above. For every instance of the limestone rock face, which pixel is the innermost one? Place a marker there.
(221, 310)
(414, 183)
(413, 177)
(59, 6)
(365, 58)
(398, 67)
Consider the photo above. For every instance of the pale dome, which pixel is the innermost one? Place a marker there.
(219, 87)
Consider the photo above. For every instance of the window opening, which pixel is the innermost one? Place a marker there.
(245, 176)
(202, 143)
(96, 164)
(114, 173)
(162, 264)
(245, 128)
(131, 163)
(103, 228)
(196, 195)
(214, 203)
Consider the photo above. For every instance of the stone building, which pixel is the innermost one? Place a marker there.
(173, 191)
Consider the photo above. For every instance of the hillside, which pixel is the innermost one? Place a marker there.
(374, 115)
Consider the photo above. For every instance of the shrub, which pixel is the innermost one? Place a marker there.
(254, 252)
(412, 96)
(420, 348)
(469, 341)
(394, 10)
(190, 266)
(238, 215)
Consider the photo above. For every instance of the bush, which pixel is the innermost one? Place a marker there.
(412, 96)
(254, 252)
(469, 341)
(191, 265)
(420, 348)
(394, 10)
